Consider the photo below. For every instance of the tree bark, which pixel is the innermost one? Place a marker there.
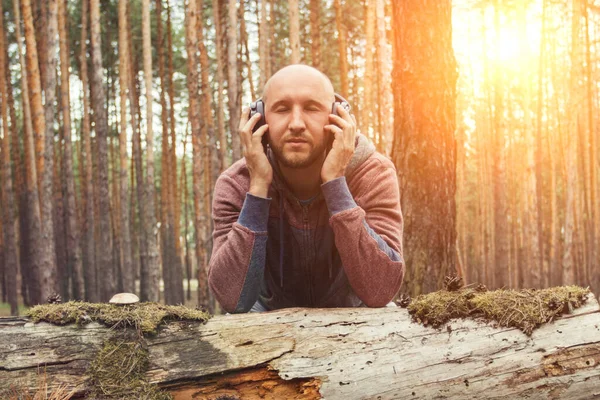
(197, 148)
(220, 84)
(106, 275)
(34, 223)
(342, 46)
(424, 150)
(294, 16)
(500, 197)
(367, 116)
(10, 259)
(151, 269)
(385, 101)
(72, 231)
(333, 354)
(315, 32)
(89, 250)
(568, 260)
(35, 92)
(233, 90)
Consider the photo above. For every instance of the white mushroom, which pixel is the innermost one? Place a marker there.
(124, 298)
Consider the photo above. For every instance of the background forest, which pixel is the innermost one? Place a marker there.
(117, 118)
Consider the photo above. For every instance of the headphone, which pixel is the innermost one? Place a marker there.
(258, 106)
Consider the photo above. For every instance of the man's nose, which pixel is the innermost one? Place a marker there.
(296, 120)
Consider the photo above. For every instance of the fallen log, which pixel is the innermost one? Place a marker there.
(321, 353)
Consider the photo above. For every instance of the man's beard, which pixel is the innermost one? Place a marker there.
(296, 159)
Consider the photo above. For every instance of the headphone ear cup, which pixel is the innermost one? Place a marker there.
(258, 107)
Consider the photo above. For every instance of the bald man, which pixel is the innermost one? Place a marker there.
(315, 220)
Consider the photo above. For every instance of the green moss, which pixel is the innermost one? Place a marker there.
(524, 309)
(118, 372)
(119, 369)
(145, 317)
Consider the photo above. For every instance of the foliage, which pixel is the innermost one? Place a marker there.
(145, 317)
(525, 309)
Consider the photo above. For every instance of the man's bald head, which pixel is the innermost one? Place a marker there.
(297, 74)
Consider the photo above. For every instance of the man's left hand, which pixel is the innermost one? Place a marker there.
(343, 127)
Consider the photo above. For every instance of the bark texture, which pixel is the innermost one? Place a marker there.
(106, 272)
(424, 150)
(325, 353)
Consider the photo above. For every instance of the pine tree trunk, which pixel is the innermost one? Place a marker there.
(10, 260)
(34, 223)
(384, 99)
(315, 32)
(175, 196)
(72, 231)
(151, 270)
(198, 153)
(568, 261)
(592, 153)
(35, 93)
(294, 31)
(501, 231)
(89, 250)
(539, 159)
(127, 270)
(233, 91)
(342, 47)
(220, 84)
(246, 51)
(424, 150)
(367, 104)
(106, 275)
(171, 272)
(263, 45)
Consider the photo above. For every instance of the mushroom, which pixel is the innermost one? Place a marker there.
(124, 298)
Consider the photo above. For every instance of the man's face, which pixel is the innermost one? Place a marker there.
(297, 108)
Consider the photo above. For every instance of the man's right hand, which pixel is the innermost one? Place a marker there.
(261, 172)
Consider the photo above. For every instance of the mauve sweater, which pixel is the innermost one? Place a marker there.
(342, 248)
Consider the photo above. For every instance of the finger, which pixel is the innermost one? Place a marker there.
(246, 129)
(342, 112)
(334, 130)
(339, 121)
(244, 117)
(260, 132)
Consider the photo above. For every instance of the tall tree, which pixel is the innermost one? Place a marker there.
(34, 222)
(89, 250)
(9, 231)
(125, 254)
(574, 109)
(220, 84)
(315, 32)
(151, 269)
(385, 100)
(424, 148)
(35, 92)
(294, 31)
(263, 45)
(197, 150)
(106, 275)
(172, 272)
(233, 90)
(72, 230)
(342, 46)
(367, 103)
(498, 151)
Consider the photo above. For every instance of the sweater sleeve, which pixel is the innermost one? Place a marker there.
(237, 263)
(369, 238)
